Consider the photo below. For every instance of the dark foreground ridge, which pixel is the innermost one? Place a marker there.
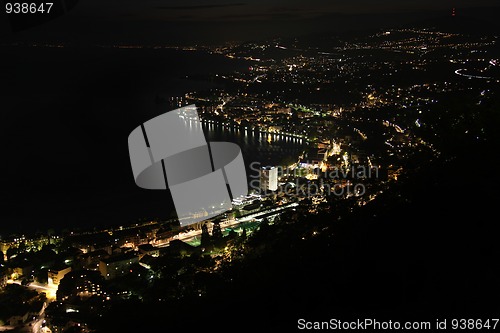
(427, 252)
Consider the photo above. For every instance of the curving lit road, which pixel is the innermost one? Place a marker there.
(459, 72)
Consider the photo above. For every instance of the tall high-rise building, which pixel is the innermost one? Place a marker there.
(269, 179)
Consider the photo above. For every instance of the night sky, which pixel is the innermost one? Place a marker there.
(213, 22)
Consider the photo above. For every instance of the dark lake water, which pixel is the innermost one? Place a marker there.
(259, 148)
(66, 116)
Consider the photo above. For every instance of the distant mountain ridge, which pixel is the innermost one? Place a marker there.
(459, 24)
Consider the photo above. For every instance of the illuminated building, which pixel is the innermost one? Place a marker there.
(118, 265)
(56, 274)
(148, 249)
(269, 179)
(22, 271)
(3, 278)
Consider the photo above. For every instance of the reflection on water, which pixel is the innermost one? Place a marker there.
(257, 146)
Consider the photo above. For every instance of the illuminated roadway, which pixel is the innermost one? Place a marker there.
(459, 72)
(194, 233)
(49, 290)
(35, 326)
